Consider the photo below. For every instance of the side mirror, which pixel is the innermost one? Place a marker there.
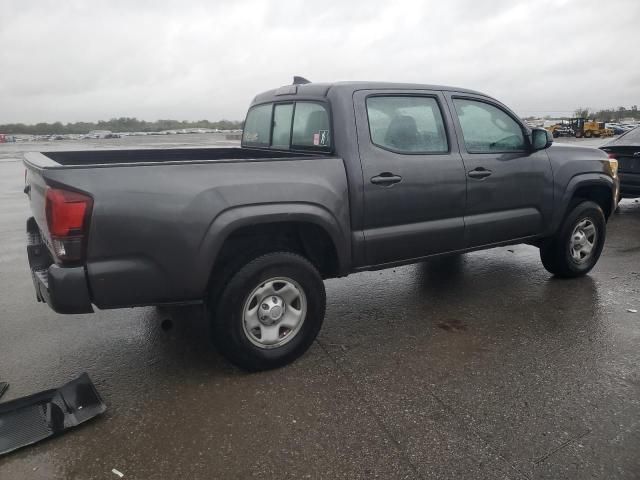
(541, 138)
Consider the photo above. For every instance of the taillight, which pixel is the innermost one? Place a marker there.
(68, 220)
(613, 164)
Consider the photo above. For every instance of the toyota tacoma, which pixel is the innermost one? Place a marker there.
(330, 179)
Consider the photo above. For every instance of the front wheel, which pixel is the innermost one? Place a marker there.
(576, 247)
(270, 311)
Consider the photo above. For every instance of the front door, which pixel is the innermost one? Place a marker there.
(414, 178)
(509, 186)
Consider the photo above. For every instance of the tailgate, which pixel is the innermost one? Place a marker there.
(35, 188)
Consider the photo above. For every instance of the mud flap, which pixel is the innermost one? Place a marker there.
(25, 421)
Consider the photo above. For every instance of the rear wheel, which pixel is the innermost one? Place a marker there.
(576, 247)
(270, 311)
(587, 134)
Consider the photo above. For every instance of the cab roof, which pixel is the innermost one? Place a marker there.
(321, 90)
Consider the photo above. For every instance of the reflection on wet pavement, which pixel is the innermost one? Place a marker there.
(472, 366)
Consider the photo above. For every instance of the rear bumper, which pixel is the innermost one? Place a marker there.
(629, 184)
(30, 419)
(64, 289)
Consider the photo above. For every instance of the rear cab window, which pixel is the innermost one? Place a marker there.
(299, 125)
(281, 132)
(257, 126)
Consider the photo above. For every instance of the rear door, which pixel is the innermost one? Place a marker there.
(414, 178)
(509, 186)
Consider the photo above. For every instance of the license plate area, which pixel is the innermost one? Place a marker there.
(629, 164)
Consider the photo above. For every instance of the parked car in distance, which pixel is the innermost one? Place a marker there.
(626, 149)
(617, 129)
(330, 179)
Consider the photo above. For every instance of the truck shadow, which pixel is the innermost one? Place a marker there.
(183, 335)
(459, 293)
(441, 274)
(503, 292)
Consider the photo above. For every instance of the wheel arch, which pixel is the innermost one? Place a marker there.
(313, 226)
(596, 187)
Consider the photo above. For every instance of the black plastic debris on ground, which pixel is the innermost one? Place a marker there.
(4, 386)
(25, 421)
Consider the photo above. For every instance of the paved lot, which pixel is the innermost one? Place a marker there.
(479, 366)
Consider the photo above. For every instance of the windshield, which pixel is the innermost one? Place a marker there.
(631, 138)
(294, 125)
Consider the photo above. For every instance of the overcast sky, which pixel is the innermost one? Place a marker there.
(85, 60)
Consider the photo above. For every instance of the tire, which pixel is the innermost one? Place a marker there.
(242, 337)
(587, 134)
(558, 254)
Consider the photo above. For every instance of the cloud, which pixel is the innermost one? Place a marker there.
(79, 60)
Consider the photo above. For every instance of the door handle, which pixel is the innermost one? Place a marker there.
(386, 179)
(479, 173)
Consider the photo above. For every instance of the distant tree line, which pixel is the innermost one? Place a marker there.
(122, 124)
(606, 115)
(611, 114)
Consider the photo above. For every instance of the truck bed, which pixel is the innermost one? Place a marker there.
(160, 216)
(123, 157)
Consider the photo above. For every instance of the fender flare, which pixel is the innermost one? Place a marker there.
(230, 220)
(576, 182)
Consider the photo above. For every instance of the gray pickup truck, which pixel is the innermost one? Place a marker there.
(330, 179)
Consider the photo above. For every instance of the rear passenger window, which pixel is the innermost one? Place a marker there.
(407, 124)
(487, 128)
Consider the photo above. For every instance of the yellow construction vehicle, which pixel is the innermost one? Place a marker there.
(561, 129)
(589, 128)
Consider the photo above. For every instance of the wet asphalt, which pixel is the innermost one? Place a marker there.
(475, 366)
